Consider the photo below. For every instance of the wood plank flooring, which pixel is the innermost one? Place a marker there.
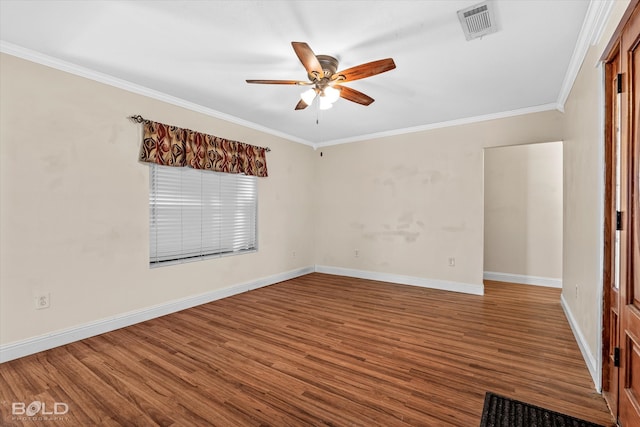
(316, 350)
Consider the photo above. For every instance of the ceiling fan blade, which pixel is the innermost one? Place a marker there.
(364, 70)
(308, 59)
(278, 82)
(301, 105)
(355, 96)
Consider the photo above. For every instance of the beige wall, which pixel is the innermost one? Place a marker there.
(523, 210)
(583, 201)
(74, 204)
(74, 210)
(409, 203)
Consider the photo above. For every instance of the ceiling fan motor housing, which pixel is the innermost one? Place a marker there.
(329, 66)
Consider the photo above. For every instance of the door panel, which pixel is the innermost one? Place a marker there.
(611, 273)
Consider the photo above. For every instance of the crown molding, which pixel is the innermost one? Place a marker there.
(602, 16)
(440, 125)
(58, 64)
(592, 28)
(49, 61)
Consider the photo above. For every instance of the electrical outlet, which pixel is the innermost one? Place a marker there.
(576, 291)
(356, 253)
(42, 301)
(293, 254)
(452, 262)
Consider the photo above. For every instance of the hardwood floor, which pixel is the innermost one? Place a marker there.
(317, 350)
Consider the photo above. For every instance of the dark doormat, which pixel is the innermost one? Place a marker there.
(501, 411)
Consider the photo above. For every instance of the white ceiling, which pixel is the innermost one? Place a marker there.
(200, 53)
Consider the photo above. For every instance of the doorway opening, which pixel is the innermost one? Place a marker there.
(523, 201)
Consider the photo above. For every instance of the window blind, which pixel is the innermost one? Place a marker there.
(197, 214)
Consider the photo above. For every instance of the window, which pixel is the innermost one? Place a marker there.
(197, 214)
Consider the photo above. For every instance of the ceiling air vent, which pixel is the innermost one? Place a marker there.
(477, 21)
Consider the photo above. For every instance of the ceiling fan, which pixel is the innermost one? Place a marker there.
(325, 82)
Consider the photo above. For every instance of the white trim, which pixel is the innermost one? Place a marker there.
(450, 123)
(602, 13)
(592, 28)
(467, 288)
(597, 375)
(589, 358)
(54, 339)
(49, 61)
(78, 70)
(549, 282)
(601, 193)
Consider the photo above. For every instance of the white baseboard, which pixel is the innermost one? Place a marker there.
(525, 280)
(467, 288)
(589, 358)
(29, 346)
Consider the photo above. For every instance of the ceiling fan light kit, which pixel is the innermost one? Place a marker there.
(326, 97)
(326, 82)
(324, 104)
(308, 96)
(331, 94)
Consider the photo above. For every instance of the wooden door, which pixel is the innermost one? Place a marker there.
(611, 276)
(629, 291)
(621, 332)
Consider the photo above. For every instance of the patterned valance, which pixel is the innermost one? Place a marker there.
(173, 146)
